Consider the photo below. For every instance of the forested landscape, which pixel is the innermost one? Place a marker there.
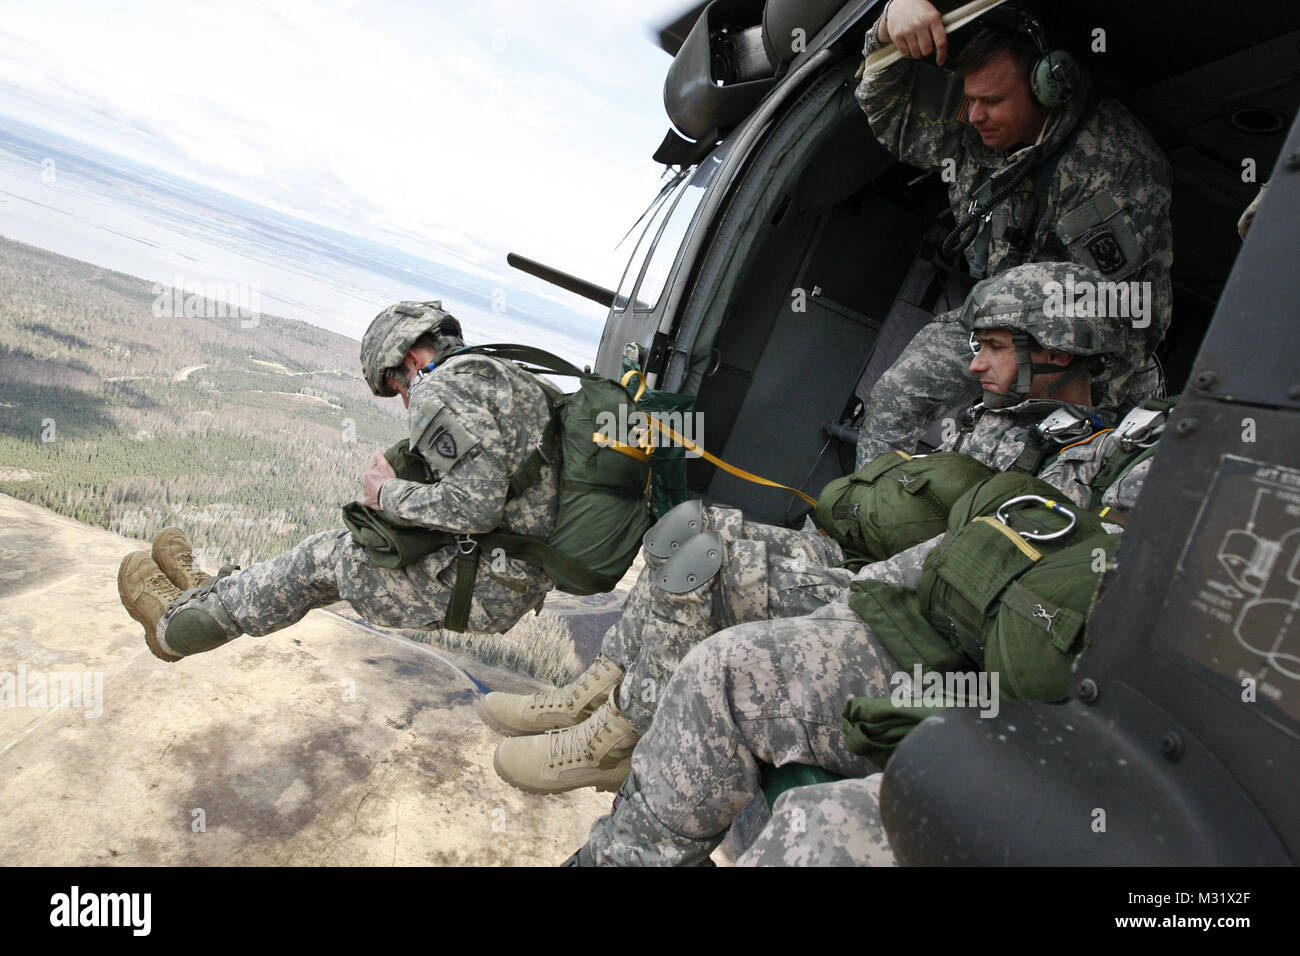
(249, 438)
(247, 434)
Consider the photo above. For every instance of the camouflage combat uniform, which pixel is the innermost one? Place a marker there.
(770, 572)
(773, 692)
(829, 824)
(474, 420)
(766, 572)
(1072, 470)
(1107, 206)
(768, 691)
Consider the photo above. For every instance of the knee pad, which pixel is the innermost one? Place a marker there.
(696, 562)
(197, 621)
(193, 630)
(667, 535)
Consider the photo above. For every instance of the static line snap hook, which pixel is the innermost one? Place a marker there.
(1007, 506)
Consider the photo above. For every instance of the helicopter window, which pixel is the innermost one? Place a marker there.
(665, 251)
(633, 270)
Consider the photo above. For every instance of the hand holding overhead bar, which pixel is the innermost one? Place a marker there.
(891, 53)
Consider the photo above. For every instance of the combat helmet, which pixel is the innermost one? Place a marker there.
(395, 330)
(1059, 306)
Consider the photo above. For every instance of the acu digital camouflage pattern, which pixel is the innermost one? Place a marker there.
(996, 436)
(495, 413)
(1072, 470)
(771, 572)
(1017, 300)
(1107, 207)
(768, 691)
(767, 572)
(838, 824)
(940, 353)
(829, 824)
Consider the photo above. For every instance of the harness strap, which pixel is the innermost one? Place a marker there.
(462, 592)
(1118, 463)
(536, 551)
(529, 472)
(1034, 455)
(548, 361)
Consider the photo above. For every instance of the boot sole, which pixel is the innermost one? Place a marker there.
(497, 725)
(150, 636)
(610, 781)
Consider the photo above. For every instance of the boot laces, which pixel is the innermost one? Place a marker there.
(559, 698)
(562, 698)
(575, 742)
(161, 587)
(179, 598)
(191, 567)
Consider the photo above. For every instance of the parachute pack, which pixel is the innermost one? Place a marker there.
(895, 502)
(1011, 585)
(1007, 591)
(603, 494)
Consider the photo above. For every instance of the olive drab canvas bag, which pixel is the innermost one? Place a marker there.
(1008, 590)
(603, 483)
(895, 502)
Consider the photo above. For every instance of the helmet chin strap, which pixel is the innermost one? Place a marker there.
(1019, 390)
(1027, 369)
(1074, 370)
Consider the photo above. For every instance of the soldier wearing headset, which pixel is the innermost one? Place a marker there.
(1037, 169)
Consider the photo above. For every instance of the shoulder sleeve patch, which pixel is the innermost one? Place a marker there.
(444, 440)
(1100, 233)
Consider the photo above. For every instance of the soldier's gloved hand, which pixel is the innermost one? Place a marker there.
(378, 472)
(916, 28)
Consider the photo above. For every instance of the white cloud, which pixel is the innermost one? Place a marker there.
(505, 125)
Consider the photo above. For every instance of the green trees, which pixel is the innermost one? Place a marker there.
(246, 456)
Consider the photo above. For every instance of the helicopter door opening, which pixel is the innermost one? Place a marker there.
(793, 299)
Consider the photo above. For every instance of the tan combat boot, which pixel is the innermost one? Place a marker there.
(176, 623)
(596, 753)
(173, 554)
(146, 593)
(518, 714)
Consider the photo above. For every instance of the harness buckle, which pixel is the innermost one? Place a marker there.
(1141, 428)
(466, 544)
(1064, 426)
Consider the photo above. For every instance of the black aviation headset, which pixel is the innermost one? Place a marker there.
(1055, 74)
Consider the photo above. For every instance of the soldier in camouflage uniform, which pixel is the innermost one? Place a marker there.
(839, 824)
(473, 419)
(773, 691)
(577, 736)
(1106, 204)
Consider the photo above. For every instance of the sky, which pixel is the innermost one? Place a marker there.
(455, 131)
